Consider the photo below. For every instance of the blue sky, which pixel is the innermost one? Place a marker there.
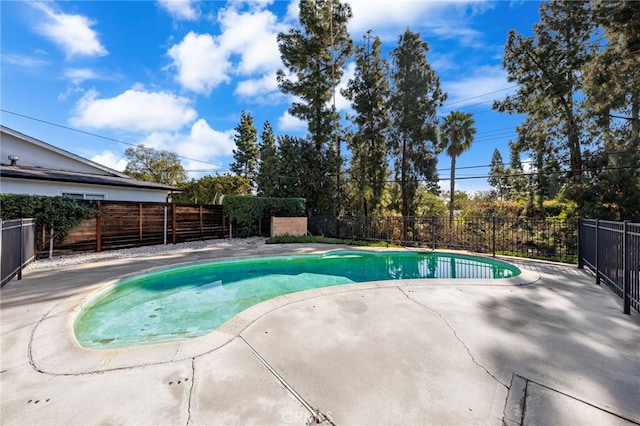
(175, 75)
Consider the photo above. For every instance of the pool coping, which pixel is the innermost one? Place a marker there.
(53, 348)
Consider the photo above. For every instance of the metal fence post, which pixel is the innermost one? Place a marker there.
(626, 269)
(21, 257)
(493, 235)
(597, 265)
(164, 239)
(433, 232)
(388, 223)
(579, 243)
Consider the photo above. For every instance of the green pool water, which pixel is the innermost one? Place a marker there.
(190, 301)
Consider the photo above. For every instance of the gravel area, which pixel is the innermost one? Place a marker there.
(80, 258)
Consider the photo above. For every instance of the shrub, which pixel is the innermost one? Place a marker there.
(246, 211)
(60, 213)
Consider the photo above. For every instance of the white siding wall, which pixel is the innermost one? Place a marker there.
(113, 193)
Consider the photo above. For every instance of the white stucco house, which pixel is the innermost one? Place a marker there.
(31, 166)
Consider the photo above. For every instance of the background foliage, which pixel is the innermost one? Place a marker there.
(60, 213)
(210, 189)
(247, 212)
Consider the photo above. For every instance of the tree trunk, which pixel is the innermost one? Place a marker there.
(453, 189)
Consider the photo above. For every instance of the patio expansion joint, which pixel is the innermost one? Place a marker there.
(455, 334)
(317, 416)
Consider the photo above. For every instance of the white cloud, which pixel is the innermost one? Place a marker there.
(257, 86)
(247, 46)
(381, 14)
(448, 30)
(205, 142)
(253, 35)
(289, 123)
(72, 32)
(79, 75)
(24, 61)
(203, 148)
(201, 62)
(111, 160)
(440, 18)
(134, 110)
(181, 10)
(293, 12)
(484, 85)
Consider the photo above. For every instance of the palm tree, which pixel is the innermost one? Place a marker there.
(456, 136)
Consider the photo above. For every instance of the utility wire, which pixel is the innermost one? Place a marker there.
(97, 135)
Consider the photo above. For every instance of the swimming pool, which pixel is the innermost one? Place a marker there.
(192, 300)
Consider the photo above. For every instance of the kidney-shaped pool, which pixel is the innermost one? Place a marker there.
(192, 300)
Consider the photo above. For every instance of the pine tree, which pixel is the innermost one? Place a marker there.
(612, 87)
(247, 151)
(456, 136)
(515, 173)
(369, 92)
(497, 178)
(315, 55)
(267, 181)
(543, 178)
(415, 96)
(547, 68)
(295, 167)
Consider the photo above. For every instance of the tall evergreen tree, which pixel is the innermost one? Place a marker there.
(547, 68)
(369, 92)
(415, 96)
(456, 135)
(515, 173)
(315, 56)
(497, 178)
(544, 173)
(295, 167)
(247, 151)
(612, 87)
(267, 179)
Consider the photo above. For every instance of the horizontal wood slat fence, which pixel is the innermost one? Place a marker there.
(124, 224)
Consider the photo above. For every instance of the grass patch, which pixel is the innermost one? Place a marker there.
(311, 239)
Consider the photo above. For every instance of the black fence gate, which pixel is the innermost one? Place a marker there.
(18, 243)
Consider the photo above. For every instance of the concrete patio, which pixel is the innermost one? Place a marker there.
(557, 350)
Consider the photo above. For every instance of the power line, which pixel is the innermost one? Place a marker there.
(524, 174)
(97, 135)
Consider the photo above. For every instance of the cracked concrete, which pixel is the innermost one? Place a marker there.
(405, 292)
(405, 352)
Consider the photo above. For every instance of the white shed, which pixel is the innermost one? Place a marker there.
(31, 166)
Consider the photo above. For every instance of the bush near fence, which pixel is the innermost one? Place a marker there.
(251, 216)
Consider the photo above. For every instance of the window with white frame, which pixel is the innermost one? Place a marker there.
(83, 196)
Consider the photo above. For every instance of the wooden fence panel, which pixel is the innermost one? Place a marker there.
(129, 224)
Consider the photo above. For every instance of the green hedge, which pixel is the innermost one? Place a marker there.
(61, 213)
(245, 212)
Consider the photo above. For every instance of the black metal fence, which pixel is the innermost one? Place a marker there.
(17, 247)
(612, 251)
(541, 238)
